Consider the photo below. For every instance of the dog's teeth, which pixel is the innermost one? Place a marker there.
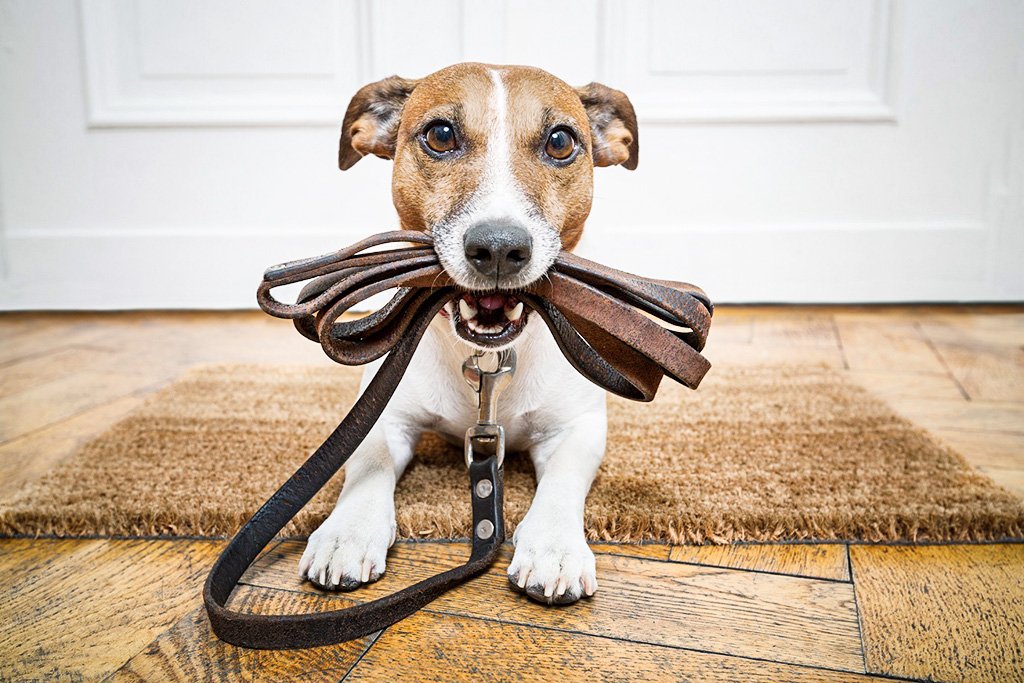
(466, 311)
(514, 314)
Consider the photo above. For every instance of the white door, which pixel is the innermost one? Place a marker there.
(161, 153)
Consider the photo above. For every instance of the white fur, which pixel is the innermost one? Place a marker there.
(549, 410)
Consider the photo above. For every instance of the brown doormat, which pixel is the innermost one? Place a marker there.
(761, 454)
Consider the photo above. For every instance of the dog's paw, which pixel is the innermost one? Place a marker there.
(551, 564)
(346, 552)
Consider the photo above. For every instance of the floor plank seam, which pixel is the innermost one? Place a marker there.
(615, 553)
(745, 569)
(691, 563)
(942, 361)
(839, 342)
(117, 668)
(127, 663)
(612, 553)
(856, 610)
(373, 641)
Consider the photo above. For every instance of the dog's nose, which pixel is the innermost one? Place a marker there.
(498, 249)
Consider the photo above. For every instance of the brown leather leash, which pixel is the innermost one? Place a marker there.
(604, 320)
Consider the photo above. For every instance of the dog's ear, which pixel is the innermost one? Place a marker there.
(371, 121)
(612, 126)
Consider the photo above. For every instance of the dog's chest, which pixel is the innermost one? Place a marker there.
(545, 392)
(454, 410)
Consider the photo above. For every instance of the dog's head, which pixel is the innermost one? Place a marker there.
(496, 162)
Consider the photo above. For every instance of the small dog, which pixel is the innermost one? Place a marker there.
(496, 162)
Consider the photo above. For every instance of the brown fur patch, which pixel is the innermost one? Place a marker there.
(426, 190)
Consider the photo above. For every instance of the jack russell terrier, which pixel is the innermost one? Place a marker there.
(496, 162)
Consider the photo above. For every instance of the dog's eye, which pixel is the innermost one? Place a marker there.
(440, 137)
(561, 144)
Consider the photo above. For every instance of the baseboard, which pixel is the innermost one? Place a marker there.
(220, 270)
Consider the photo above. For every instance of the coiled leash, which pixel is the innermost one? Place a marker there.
(604, 320)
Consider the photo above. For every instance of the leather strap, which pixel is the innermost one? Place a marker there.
(604, 320)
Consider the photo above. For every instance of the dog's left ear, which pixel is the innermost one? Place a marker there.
(612, 126)
(371, 121)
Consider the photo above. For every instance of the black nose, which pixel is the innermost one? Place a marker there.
(498, 249)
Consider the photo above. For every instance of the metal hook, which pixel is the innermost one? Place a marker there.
(487, 436)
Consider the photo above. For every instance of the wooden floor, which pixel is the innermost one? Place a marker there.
(102, 609)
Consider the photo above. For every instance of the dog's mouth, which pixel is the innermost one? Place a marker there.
(488, 319)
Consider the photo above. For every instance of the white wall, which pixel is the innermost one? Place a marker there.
(161, 153)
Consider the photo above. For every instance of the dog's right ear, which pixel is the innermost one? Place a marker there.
(371, 121)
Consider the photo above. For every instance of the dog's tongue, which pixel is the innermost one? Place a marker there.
(491, 302)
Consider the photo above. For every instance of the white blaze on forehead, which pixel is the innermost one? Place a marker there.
(499, 107)
(499, 193)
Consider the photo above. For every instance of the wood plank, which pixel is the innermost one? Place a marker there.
(173, 345)
(654, 551)
(190, 651)
(795, 329)
(981, 416)
(444, 649)
(83, 608)
(744, 355)
(27, 458)
(768, 616)
(886, 345)
(907, 384)
(731, 329)
(986, 449)
(48, 335)
(988, 369)
(949, 613)
(822, 560)
(60, 399)
(13, 324)
(1010, 479)
(987, 373)
(24, 374)
(20, 556)
(1003, 326)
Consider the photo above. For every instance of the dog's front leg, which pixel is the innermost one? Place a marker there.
(350, 547)
(552, 561)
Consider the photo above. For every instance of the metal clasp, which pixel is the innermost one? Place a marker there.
(487, 436)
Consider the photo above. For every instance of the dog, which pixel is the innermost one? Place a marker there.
(496, 163)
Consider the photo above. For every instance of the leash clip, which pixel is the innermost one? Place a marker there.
(487, 436)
